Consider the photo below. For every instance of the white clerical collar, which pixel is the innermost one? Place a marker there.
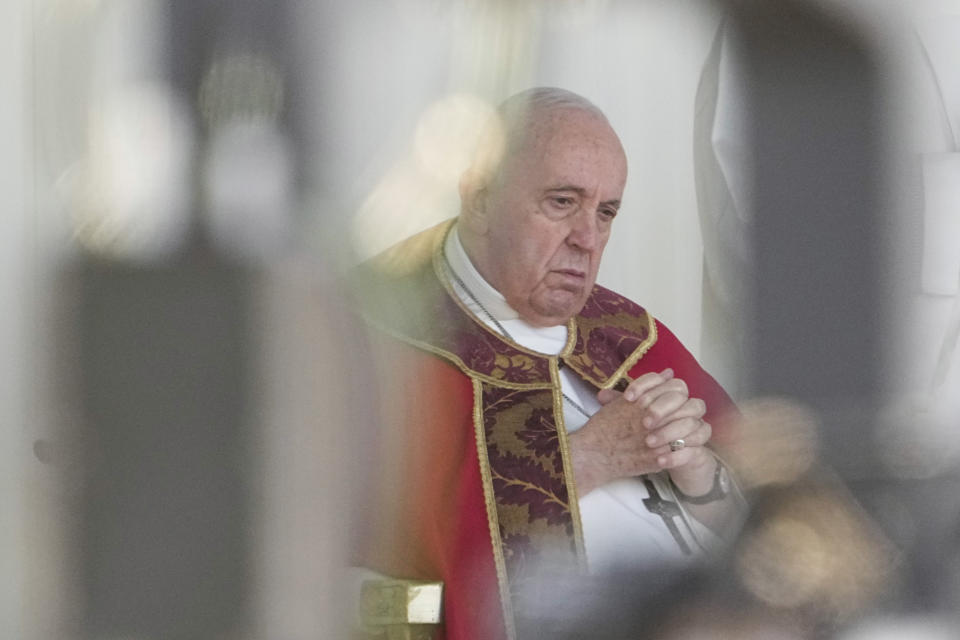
(495, 312)
(488, 297)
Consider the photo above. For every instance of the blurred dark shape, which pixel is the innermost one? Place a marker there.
(818, 311)
(697, 602)
(166, 380)
(808, 564)
(165, 394)
(236, 61)
(923, 518)
(828, 301)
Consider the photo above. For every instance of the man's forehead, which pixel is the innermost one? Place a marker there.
(558, 125)
(572, 132)
(564, 146)
(574, 147)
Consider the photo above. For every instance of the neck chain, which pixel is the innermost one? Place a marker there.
(500, 327)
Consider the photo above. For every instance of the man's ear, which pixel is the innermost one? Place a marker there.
(473, 203)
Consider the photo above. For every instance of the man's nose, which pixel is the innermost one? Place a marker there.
(584, 231)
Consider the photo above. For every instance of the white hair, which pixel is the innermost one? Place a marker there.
(514, 120)
(538, 100)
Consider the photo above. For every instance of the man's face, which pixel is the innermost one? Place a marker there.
(550, 210)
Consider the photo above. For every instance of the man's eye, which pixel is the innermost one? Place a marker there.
(562, 201)
(609, 214)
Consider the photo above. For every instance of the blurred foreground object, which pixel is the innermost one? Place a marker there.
(809, 564)
(777, 443)
(400, 609)
(202, 377)
(215, 406)
(812, 550)
(165, 388)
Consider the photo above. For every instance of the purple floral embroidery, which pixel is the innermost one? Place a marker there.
(540, 435)
(529, 477)
(603, 301)
(523, 481)
(610, 328)
(520, 368)
(608, 348)
(602, 354)
(476, 353)
(495, 401)
(490, 356)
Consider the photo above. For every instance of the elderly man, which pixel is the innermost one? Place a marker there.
(537, 424)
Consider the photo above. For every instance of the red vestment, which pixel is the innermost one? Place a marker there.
(478, 489)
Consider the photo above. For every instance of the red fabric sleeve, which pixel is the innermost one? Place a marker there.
(430, 520)
(668, 351)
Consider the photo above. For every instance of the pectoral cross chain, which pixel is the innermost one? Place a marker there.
(668, 511)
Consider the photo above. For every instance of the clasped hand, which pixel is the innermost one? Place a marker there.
(631, 433)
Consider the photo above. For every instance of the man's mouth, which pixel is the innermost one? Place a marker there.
(572, 279)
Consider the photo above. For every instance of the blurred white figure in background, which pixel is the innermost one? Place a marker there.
(939, 40)
(929, 91)
(721, 140)
(930, 351)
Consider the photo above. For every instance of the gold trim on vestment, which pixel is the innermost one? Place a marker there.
(493, 519)
(634, 357)
(567, 458)
(572, 332)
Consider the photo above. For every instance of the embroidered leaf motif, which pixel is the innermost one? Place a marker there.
(602, 302)
(523, 481)
(525, 463)
(497, 400)
(540, 435)
(518, 367)
(607, 348)
(477, 353)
